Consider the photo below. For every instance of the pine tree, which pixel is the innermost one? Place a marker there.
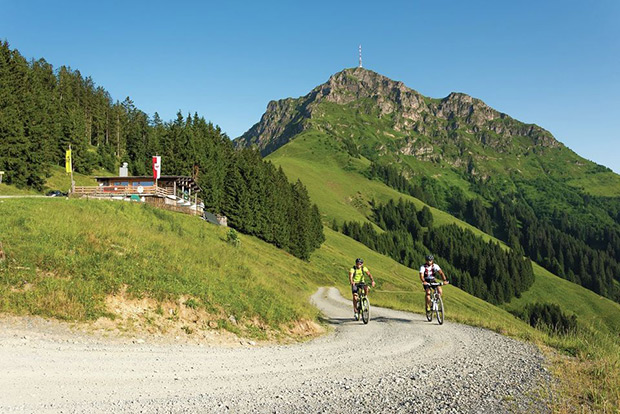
(425, 217)
(299, 237)
(316, 228)
(14, 145)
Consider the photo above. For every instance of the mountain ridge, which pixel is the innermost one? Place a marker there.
(509, 179)
(411, 111)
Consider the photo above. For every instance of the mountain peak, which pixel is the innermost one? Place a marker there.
(358, 83)
(410, 113)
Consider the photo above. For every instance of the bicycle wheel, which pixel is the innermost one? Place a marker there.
(429, 311)
(365, 310)
(439, 310)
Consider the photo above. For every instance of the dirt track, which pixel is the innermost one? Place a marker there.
(396, 363)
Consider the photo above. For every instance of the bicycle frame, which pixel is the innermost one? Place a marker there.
(436, 304)
(434, 299)
(361, 297)
(361, 290)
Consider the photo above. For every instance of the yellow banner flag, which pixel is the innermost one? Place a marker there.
(68, 161)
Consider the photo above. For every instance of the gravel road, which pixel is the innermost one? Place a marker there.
(396, 363)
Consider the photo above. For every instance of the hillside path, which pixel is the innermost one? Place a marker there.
(399, 362)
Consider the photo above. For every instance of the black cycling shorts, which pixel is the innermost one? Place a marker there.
(356, 286)
(427, 287)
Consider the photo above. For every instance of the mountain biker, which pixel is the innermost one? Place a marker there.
(427, 276)
(356, 276)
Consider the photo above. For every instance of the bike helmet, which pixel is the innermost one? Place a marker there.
(359, 261)
(430, 258)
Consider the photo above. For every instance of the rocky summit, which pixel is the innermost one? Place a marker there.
(405, 113)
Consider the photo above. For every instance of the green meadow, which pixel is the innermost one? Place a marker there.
(336, 183)
(64, 257)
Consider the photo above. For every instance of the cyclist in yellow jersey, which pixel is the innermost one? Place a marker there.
(356, 276)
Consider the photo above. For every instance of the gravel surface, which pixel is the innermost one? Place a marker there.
(396, 363)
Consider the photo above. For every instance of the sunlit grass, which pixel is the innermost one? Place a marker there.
(605, 184)
(60, 180)
(12, 190)
(343, 193)
(64, 257)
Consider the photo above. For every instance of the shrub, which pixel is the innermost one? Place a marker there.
(233, 238)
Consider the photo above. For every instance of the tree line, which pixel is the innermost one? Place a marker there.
(43, 111)
(583, 247)
(481, 268)
(583, 252)
(421, 187)
(548, 316)
(505, 273)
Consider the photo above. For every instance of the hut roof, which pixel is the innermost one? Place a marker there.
(181, 180)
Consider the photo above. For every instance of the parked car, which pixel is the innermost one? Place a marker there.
(56, 193)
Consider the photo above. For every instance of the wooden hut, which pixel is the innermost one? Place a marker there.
(172, 192)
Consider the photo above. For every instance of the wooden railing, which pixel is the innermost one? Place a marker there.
(155, 195)
(163, 203)
(119, 190)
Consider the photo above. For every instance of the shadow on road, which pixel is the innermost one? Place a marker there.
(337, 321)
(383, 319)
(377, 319)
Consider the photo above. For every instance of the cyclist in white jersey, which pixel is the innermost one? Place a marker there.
(427, 276)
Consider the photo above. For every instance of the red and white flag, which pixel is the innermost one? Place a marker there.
(156, 167)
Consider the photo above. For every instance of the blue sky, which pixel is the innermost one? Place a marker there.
(553, 63)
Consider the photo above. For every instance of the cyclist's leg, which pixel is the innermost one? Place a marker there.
(354, 292)
(439, 290)
(428, 297)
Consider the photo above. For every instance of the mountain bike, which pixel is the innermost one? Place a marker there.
(363, 304)
(436, 304)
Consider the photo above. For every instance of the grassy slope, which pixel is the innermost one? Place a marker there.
(335, 184)
(65, 256)
(12, 190)
(65, 268)
(399, 288)
(593, 311)
(58, 180)
(344, 195)
(605, 184)
(362, 122)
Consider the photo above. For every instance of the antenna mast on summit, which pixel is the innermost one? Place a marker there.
(360, 56)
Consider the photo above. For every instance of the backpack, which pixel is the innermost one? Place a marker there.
(429, 271)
